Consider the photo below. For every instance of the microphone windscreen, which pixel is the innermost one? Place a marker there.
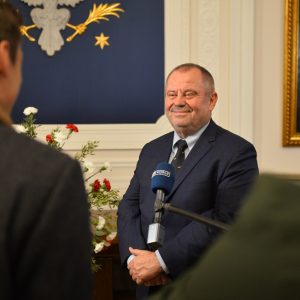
(163, 178)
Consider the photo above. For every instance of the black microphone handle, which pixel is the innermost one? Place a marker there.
(156, 232)
(196, 217)
(158, 204)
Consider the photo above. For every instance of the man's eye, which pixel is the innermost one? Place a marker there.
(190, 94)
(171, 94)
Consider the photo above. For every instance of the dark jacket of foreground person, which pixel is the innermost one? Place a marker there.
(258, 258)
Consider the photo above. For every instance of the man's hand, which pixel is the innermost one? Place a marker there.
(145, 267)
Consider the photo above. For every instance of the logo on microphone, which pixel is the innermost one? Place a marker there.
(161, 173)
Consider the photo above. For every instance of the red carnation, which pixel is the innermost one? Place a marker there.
(49, 138)
(96, 185)
(72, 127)
(107, 184)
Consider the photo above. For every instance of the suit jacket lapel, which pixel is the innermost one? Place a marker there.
(202, 146)
(165, 148)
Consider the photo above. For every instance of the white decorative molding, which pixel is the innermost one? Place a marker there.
(177, 33)
(205, 39)
(204, 32)
(241, 72)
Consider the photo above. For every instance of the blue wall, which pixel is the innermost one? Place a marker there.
(82, 84)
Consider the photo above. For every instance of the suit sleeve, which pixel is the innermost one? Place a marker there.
(54, 239)
(233, 181)
(129, 220)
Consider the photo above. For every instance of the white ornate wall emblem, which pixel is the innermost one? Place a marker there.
(51, 20)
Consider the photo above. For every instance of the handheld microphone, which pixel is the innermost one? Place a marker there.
(161, 183)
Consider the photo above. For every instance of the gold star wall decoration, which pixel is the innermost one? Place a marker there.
(102, 40)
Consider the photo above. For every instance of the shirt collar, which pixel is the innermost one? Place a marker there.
(191, 139)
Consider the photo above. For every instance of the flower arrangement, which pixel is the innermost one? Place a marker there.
(100, 194)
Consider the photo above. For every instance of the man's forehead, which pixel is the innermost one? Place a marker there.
(184, 82)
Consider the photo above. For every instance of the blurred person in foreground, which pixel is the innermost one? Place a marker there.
(258, 258)
(45, 239)
(217, 172)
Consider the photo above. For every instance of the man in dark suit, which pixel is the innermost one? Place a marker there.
(216, 174)
(45, 239)
(258, 258)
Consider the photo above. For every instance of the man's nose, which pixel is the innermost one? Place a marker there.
(180, 99)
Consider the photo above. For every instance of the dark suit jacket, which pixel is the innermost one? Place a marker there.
(213, 181)
(258, 258)
(45, 242)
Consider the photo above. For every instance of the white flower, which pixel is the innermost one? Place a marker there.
(107, 165)
(59, 136)
(20, 128)
(106, 244)
(98, 247)
(101, 223)
(111, 236)
(88, 166)
(30, 110)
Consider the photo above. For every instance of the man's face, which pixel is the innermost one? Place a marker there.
(187, 105)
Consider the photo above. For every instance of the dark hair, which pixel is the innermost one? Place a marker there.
(207, 77)
(10, 22)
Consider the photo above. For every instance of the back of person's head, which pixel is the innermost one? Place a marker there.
(10, 22)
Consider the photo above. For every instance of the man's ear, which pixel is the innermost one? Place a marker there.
(213, 100)
(5, 61)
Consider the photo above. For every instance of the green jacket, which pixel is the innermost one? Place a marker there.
(258, 258)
